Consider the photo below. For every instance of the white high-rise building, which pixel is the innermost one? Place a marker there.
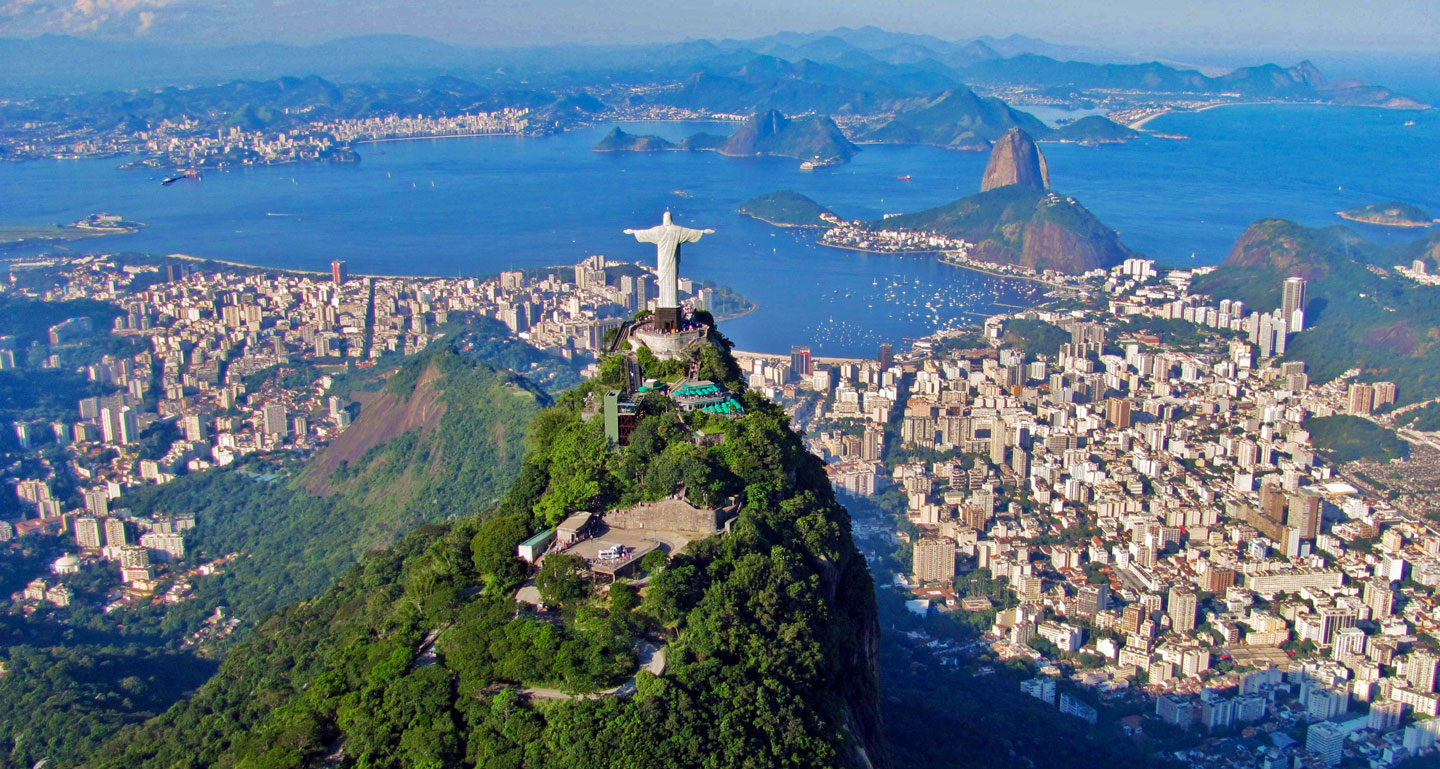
(1292, 303)
(1327, 740)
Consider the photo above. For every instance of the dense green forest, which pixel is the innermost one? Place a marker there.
(1358, 313)
(293, 545)
(1344, 438)
(414, 657)
(1035, 337)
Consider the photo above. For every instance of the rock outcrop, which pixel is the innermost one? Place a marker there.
(1015, 160)
(1024, 227)
(620, 141)
(814, 137)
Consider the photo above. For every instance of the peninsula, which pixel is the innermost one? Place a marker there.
(1393, 214)
(92, 226)
(1015, 221)
(787, 208)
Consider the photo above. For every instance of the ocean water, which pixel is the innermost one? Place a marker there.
(477, 206)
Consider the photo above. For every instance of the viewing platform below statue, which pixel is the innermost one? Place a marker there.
(666, 344)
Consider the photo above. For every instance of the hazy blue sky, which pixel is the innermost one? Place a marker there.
(1142, 26)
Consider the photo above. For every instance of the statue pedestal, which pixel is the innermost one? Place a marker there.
(667, 319)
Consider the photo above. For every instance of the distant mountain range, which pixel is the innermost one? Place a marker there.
(813, 138)
(857, 69)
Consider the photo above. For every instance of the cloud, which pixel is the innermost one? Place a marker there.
(81, 16)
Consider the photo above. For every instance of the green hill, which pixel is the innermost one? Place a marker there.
(1345, 438)
(620, 141)
(956, 119)
(417, 657)
(785, 208)
(1358, 311)
(703, 142)
(1025, 227)
(810, 137)
(1094, 129)
(443, 438)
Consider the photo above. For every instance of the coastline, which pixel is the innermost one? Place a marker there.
(939, 254)
(1139, 124)
(1402, 225)
(439, 136)
(781, 225)
(738, 315)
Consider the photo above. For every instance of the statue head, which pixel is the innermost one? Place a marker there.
(666, 219)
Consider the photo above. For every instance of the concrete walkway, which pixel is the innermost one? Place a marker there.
(652, 659)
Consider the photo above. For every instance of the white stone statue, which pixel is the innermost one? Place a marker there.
(667, 239)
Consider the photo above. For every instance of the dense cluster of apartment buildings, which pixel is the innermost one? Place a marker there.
(224, 364)
(1156, 509)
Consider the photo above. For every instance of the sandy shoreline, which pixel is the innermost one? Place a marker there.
(1402, 225)
(1139, 125)
(437, 136)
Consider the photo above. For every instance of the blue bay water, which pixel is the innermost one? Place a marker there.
(478, 206)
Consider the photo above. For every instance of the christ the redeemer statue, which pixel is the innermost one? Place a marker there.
(668, 238)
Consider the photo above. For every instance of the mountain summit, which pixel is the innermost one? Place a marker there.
(1015, 160)
(810, 137)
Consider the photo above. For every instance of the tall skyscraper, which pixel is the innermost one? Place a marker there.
(193, 427)
(887, 355)
(873, 444)
(1292, 304)
(933, 560)
(1384, 393)
(1379, 597)
(275, 419)
(110, 424)
(1304, 514)
(87, 532)
(1362, 398)
(338, 273)
(119, 425)
(800, 361)
(1420, 671)
(1092, 599)
(1181, 609)
(97, 502)
(1117, 412)
(116, 534)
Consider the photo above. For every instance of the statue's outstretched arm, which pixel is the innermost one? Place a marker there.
(690, 236)
(645, 236)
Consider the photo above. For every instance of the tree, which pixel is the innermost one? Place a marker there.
(561, 580)
(623, 598)
(653, 561)
(492, 550)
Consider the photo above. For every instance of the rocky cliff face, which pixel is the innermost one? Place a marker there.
(1015, 160)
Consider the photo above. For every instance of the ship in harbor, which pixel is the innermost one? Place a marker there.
(189, 173)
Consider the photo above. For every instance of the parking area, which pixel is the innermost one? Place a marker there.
(631, 544)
